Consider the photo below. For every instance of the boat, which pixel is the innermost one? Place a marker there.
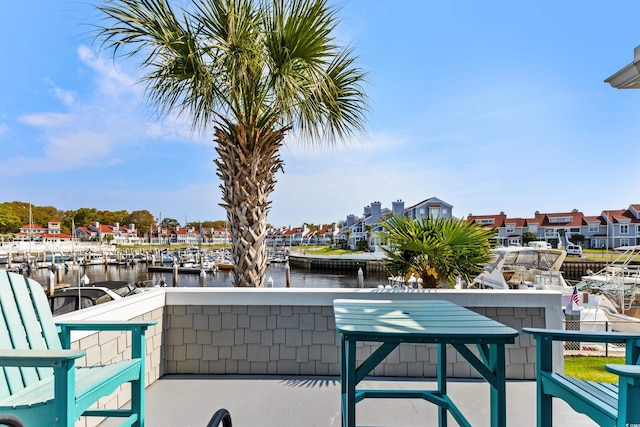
(223, 260)
(93, 258)
(208, 264)
(622, 323)
(73, 263)
(618, 281)
(112, 259)
(274, 256)
(224, 265)
(524, 267)
(67, 299)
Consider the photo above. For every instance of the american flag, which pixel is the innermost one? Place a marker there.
(574, 296)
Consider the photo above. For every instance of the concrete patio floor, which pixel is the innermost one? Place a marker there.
(299, 401)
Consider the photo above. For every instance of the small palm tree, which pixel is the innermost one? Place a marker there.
(254, 70)
(436, 250)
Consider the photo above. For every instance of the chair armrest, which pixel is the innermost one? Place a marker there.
(583, 336)
(37, 358)
(632, 371)
(137, 328)
(106, 325)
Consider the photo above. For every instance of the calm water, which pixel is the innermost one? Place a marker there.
(300, 278)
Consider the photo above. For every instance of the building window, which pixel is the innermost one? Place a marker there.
(638, 230)
(533, 228)
(557, 219)
(485, 221)
(434, 213)
(548, 232)
(594, 227)
(510, 228)
(624, 242)
(624, 229)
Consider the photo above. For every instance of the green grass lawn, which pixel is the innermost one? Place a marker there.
(591, 368)
(326, 250)
(603, 255)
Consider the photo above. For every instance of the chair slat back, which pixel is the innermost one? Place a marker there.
(26, 323)
(10, 378)
(47, 333)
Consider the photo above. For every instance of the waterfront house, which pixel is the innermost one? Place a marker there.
(356, 229)
(610, 229)
(275, 236)
(297, 236)
(215, 236)
(623, 226)
(119, 235)
(325, 234)
(429, 208)
(185, 236)
(49, 234)
(158, 236)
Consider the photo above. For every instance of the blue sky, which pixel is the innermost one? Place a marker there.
(490, 106)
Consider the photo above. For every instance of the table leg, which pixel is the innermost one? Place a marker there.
(348, 382)
(343, 379)
(499, 392)
(442, 382)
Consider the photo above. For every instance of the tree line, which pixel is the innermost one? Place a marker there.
(14, 215)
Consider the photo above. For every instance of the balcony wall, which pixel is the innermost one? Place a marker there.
(292, 331)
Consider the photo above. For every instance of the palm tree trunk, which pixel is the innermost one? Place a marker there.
(248, 160)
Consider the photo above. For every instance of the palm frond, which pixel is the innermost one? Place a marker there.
(178, 76)
(315, 83)
(450, 247)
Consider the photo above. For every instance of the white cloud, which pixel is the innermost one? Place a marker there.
(331, 190)
(93, 129)
(111, 81)
(65, 96)
(47, 120)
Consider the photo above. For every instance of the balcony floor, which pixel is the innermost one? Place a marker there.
(299, 401)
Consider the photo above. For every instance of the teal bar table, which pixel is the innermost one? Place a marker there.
(391, 323)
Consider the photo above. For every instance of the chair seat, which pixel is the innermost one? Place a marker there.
(609, 405)
(584, 396)
(40, 382)
(91, 383)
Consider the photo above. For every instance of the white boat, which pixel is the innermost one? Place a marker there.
(619, 271)
(93, 258)
(522, 267)
(619, 281)
(622, 323)
(208, 265)
(115, 259)
(72, 264)
(223, 260)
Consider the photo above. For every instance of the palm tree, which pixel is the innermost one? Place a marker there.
(254, 70)
(437, 250)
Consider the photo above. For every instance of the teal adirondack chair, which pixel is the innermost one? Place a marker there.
(609, 405)
(39, 381)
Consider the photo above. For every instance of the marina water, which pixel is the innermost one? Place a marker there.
(300, 277)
